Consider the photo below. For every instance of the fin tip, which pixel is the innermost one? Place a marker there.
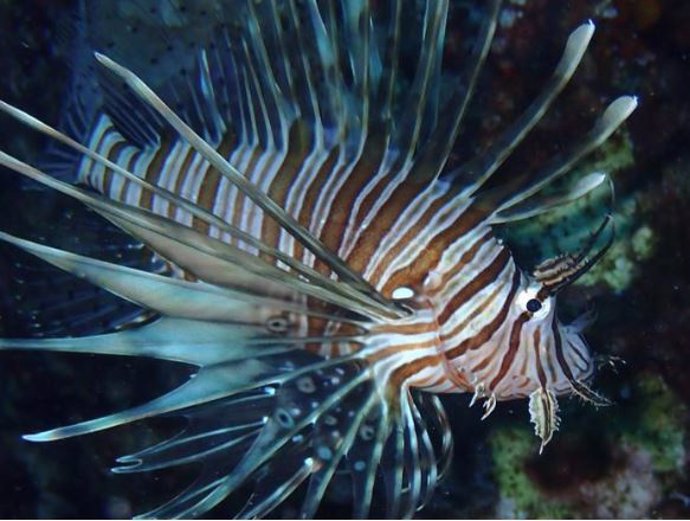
(38, 437)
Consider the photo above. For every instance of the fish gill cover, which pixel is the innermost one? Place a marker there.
(340, 263)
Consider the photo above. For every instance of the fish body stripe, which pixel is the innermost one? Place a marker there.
(423, 232)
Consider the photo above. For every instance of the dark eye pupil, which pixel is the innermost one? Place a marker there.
(533, 305)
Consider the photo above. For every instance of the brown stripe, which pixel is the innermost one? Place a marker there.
(513, 345)
(394, 349)
(559, 352)
(412, 271)
(487, 331)
(300, 144)
(114, 156)
(367, 164)
(478, 283)
(154, 170)
(466, 258)
(407, 329)
(480, 309)
(405, 371)
(126, 183)
(433, 251)
(208, 190)
(99, 148)
(306, 212)
(402, 196)
(241, 204)
(183, 172)
(536, 337)
(367, 243)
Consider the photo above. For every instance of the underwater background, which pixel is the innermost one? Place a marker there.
(629, 460)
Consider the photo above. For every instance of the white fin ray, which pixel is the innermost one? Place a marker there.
(364, 457)
(177, 340)
(612, 118)
(281, 429)
(541, 203)
(319, 481)
(246, 187)
(208, 258)
(423, 95)
(164, 295)
(480, 169)
(433, 155)
(203, 438)
(194, 209)
(209, 384)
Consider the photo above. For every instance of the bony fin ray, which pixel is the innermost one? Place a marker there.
(285, 423)
(189, 206)
(478, 171)
(193, 342)
(165, 295)
(542, 203)
(613, 117)
(209, 384)
(246, 187)
(206, 257)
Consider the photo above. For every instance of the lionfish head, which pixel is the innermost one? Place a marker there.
(552, 357)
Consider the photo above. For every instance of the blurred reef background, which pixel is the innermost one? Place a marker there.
(629, 460)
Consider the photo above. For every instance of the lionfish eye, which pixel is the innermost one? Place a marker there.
(533, 305)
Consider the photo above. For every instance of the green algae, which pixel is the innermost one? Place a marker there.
(565, 228)
(519, 497)
(621, 264)
(659, 427)
(645, 438)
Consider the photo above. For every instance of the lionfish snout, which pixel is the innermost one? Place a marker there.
(543, 359)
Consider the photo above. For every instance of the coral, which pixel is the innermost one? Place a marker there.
(630, 487)
(623, 474)
(629, 493)
(659, 428)
(519, 496)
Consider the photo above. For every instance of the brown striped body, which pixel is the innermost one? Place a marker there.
(464, 328)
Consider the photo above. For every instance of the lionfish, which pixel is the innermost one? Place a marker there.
(319, 268)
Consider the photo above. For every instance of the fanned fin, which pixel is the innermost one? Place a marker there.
(434, 154)
(263, 201)
(81, 107)
(209, 259)
(168, 296)
(423, 97)
(478, 170)
(613, 117)
(542, 203)
(51, 302)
